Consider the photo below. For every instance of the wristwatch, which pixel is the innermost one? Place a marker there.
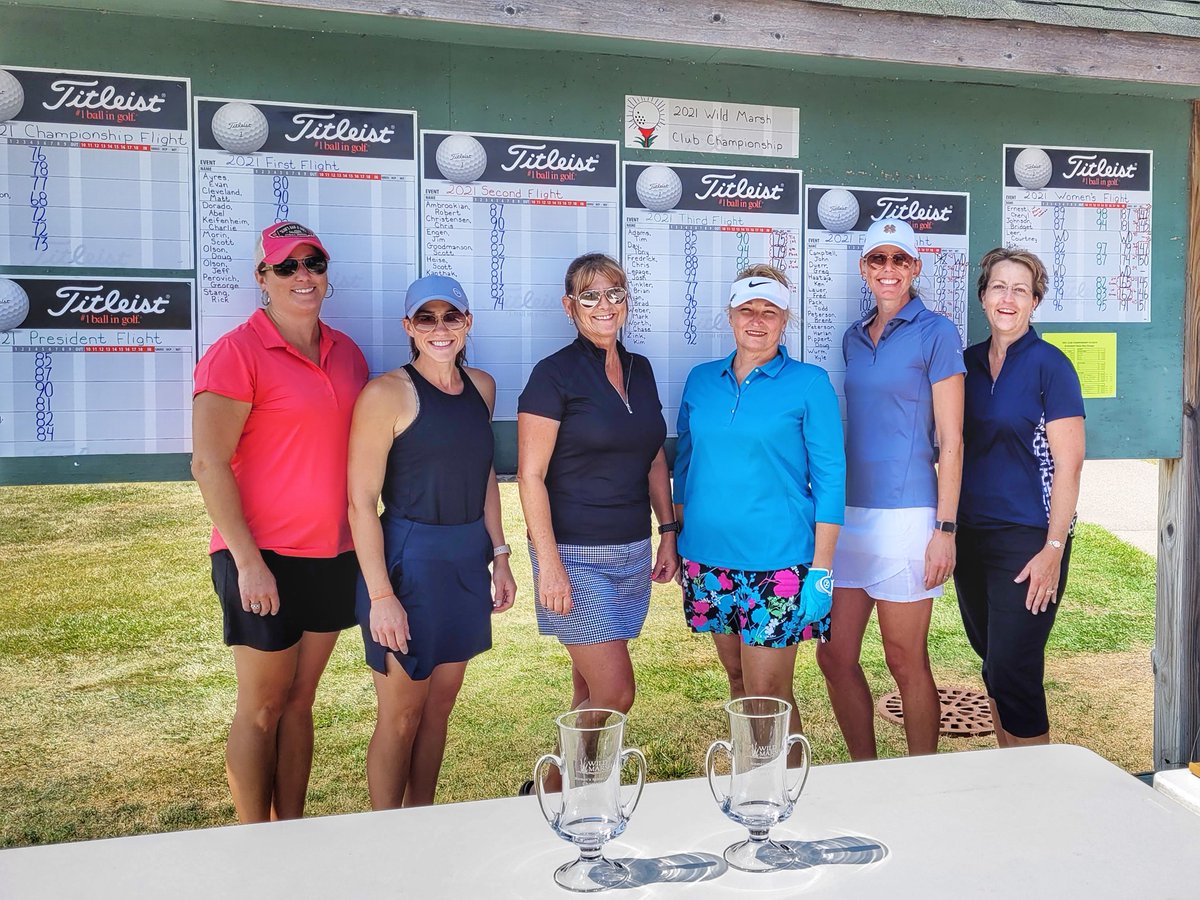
(500, 549)
(948, 527)
(668, 527)
(1057, 545)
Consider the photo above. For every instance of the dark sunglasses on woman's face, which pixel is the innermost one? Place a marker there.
(590, 299)
(316, 264)
(899, 260)
(426, 322)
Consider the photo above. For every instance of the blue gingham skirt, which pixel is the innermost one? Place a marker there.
(610, 593)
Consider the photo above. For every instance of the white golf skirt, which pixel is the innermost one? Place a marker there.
(882, 551)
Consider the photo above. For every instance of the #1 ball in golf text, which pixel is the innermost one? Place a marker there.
(12, 96)
(460, 158)
(240, 127)
(1033, 168)
(659, 188)
(14, 305)
(838, 210)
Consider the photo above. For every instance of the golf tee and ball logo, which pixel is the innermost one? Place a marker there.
(14, 305)
(12, 96)
(240, 128)
(644, 115)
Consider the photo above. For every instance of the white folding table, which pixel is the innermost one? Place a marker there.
(1026, 823)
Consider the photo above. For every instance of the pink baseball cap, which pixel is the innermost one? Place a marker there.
(279, 240)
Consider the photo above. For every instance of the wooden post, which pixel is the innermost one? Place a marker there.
(1177, 623)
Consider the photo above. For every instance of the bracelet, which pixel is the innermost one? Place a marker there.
(375, 597)
(669, 527)
(501, 549)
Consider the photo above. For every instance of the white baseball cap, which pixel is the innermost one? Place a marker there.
(759, 288)
(896, 232)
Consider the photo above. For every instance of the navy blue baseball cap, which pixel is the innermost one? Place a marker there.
(434, 287)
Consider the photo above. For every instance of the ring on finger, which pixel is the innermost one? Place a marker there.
(256, 606)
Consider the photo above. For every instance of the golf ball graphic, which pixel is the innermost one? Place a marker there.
(1033, 168)
(240, 127)
(659, 188)
(838, 210)
(12, 96)
(14, 305)
(645, 115)
(460, 158)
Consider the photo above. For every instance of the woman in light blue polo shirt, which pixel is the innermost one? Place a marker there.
(759, 490)
(904, 407)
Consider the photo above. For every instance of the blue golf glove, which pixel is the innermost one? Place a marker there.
(816, 596)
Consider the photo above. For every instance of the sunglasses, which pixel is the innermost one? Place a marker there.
(591, 299)
(899, 260)
(426, 322)
(316, 264)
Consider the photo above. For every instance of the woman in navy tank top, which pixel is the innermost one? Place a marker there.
(422, 439)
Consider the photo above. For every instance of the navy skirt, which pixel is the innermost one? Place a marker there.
(440, 574)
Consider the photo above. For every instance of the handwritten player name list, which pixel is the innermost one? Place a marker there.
(95, 170)
(505, 215)
(836, 295)
(1087, 214)
(349, 174)
(689, 230)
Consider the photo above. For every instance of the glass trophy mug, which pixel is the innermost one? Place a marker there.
(590, 811)
(759, 796)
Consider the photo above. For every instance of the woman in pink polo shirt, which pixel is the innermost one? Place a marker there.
(271, 416)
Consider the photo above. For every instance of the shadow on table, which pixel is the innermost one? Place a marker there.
(849, 850)
(678, 867)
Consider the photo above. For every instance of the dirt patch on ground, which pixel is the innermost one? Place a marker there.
(1104, 701)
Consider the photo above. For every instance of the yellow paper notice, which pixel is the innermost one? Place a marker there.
(1094, 357)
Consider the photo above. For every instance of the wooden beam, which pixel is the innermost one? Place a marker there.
(817, 29)
(1177, 621)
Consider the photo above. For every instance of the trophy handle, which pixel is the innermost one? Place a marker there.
(633, 753)
(537, 784)
(709, 759)
(793, 739)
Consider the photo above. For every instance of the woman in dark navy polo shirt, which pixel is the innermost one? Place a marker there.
(590, 466)
(1024, 447)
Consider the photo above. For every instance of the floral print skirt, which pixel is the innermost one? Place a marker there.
(762, 607)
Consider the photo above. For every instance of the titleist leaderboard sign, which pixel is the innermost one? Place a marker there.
(95, 170)
(95, 365)
(349, 174)
(505, 214)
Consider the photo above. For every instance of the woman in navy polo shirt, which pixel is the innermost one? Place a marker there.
(590, 466)
(760, 489)
(904, 397)
(1024, 448)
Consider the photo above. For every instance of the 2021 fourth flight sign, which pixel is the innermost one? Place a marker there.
(95, 365)
(95, 170)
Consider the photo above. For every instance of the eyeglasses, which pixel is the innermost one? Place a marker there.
(316, 264)
(590, 299)
(899, 260)
(1000, 289)
(426, 322)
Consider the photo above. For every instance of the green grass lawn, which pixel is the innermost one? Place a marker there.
(117, 690)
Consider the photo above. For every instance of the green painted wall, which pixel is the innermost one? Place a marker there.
(913, 134)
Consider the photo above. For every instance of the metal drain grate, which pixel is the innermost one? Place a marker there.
(965, 712)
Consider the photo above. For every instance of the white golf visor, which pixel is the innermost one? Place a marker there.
(759, 289)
